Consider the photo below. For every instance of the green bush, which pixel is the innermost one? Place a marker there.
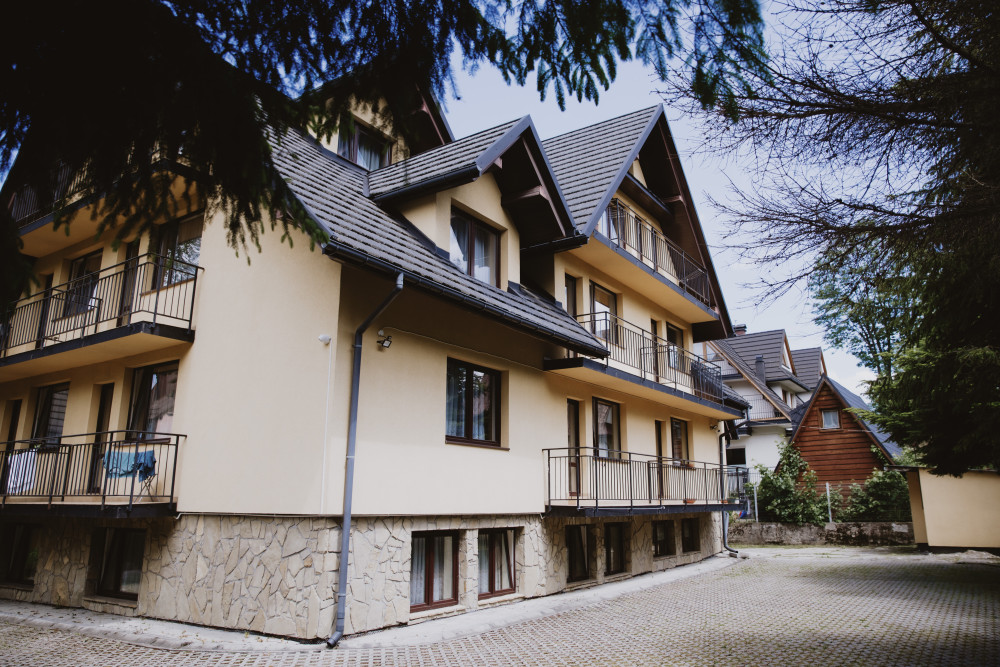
(884, 496)
(788, 494)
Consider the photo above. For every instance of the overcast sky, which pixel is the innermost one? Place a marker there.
(486, 101)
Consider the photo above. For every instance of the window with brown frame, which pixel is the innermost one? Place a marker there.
(83, 274)
(496, 562)
(18, 554)
(690, 535)
(474, 248)
(604, 313)
(664, 543)
(579, 543)
(473, 404)
(615, 547)
(154, 389)
(830, 419)
(50, 414)
(121, 552)
(180, 250)
(433, 570)
(607, 429)
(363, 146)
(679, 441)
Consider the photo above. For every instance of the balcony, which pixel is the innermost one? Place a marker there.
(762, 409)
(149, 295)
(647, 244)
(594, 482)
(91, 474)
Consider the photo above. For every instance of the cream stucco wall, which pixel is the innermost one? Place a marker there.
(481, 199)
(956, 511)
(252, 392)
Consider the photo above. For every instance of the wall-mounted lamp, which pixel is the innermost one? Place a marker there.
(325, 339)
(384, 341)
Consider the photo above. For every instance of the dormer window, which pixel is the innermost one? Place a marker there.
(475, 248)
(363, 146)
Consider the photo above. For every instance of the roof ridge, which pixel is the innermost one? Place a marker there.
(602, 122)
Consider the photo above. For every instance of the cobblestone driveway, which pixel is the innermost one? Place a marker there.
(780, 607)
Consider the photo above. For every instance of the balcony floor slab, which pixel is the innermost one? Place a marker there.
(125, 341)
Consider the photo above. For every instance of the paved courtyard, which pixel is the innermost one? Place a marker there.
(782, 606)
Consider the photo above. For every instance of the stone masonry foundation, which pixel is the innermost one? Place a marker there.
(278, 575)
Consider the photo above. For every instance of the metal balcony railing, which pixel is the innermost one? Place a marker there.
(641, 239)
(148, 288)
(115, 467)
(586, 477)
(26, 205)
(653, 357)
(761, 409)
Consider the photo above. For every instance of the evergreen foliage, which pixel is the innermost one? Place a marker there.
(884, 496)
(101, 87)
(788, 493)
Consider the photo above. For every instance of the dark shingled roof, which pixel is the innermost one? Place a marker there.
(332, 189)
(737, 362)
(808, 365)
(590, 160)
(766, 343)
(852, 400)
(454, 158)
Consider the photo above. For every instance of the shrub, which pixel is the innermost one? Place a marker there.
(788, 494)
(884, 495)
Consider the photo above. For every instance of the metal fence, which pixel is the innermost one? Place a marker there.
(585, 477)
(147, 288)
(835, 496)
(640, 238)
(115, 467)
(655, 358)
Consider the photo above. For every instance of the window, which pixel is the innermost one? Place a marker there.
(664, 543)
(83, 274)
(578, 544)
(180, 249)
(676, 339)
(496, 562)
(679, 440)
(121, 562)
(571, 296)
(607, 431)
(151, 409)
(690, 535)
(473, 404)
(831, 418)
(737, 456)
(604, 309)
(363, 146)
(615, 544)
(50, 414)
(475, 248)
(433, 570)
(18, 554)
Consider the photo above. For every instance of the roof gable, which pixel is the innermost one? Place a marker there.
(809, 365)
(750, 375)
(773, 346)
(513, 153)
(849, 399)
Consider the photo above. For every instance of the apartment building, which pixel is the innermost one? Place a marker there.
(486, 375)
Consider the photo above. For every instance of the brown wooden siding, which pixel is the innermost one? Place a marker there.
(839, 456)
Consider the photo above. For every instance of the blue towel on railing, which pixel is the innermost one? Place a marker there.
(125, 464)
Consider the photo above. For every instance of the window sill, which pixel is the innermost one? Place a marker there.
(490, 600)
(423, 614)
(664, 556)
(617, 576)
(473, 443)
(580, 583)
(17, 586)
(111, 600)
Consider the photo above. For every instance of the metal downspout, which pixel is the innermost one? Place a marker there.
(352, 434)
(722, 482)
